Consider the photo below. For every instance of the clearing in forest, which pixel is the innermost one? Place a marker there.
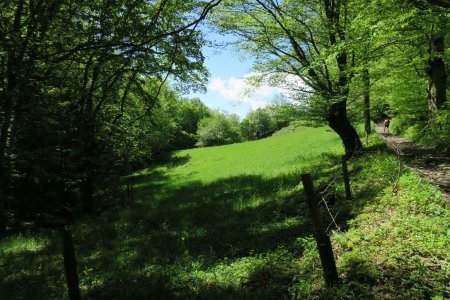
(230, 222)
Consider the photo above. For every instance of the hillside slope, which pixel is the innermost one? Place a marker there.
(283, 153)
(230, 222)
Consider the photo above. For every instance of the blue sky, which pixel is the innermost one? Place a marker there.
(227, 86)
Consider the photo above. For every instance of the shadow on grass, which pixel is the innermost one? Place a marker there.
(174, 231)
(33, 273)
(195, 240)
(171, 159)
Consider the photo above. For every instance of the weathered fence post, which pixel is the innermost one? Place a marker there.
(129, 191)
(70, 265)
(348, 192)
(127, 195)
(322, 239)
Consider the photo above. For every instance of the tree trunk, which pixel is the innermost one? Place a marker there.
(88, 140)
(437, 77)
(4, 136)
(87, 193)
(366, 96)
(338, 121)
(87, 188)
(70, 265)
(13, 65)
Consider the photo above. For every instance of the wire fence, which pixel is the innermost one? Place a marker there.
(327, 192)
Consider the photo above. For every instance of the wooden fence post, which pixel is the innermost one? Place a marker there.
(322, 239)
(70, 265)
(348, 192)
(130, 195)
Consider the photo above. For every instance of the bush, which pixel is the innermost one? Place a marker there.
(218, 130)
(257, 125)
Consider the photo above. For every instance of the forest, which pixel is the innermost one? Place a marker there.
(115, 184)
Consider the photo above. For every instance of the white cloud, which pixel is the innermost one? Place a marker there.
(240, 90)
(237, 89)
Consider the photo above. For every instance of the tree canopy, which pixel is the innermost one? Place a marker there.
(77, 76)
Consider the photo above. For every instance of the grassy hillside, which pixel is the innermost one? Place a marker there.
(230, 222)
(286, 152)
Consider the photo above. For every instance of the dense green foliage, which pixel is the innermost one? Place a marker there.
(397, 42)
(301, 46)
(189, 115)
(257, 124)
(79, 82)
(230, 222)
(354, 55)
(90, 92)
(85, 92)
(219, 129)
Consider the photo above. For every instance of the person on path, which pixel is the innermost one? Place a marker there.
(386, 125)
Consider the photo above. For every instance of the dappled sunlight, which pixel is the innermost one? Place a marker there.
(246, 235)
(23, 243)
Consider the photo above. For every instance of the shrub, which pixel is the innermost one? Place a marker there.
(218, 130)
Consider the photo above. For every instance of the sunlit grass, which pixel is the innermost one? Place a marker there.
(22, 243)
(268, 157)
(230, 222)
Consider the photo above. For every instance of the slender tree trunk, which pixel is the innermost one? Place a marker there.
(4, 137)
(13, 65)
(437, 77)
(4, 174)
(5, 133)
(88, 151)
(366, 101)
(87, 136)
(339, 122)
(87, 188)
(87, 193)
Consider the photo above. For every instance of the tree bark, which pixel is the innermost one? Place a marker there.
(339, 122)
(87, 193)
(4, 136)
(437, 77)
(87, 136)
(366, 101)
(13, 66)
(337, 116)
(70, 265)
(87, 188)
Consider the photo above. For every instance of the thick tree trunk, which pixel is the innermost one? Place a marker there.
(70, 265)
(366, 101)
(337, 116)
(437, 77)
(338, 121)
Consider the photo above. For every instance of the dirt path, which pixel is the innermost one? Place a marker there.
(426, 161)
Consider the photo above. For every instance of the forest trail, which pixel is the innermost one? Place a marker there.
(426, 161)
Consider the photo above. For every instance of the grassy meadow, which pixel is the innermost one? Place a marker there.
(230, 222)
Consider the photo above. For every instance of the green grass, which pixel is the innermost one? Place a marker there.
(269, 157)
(230, 222)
